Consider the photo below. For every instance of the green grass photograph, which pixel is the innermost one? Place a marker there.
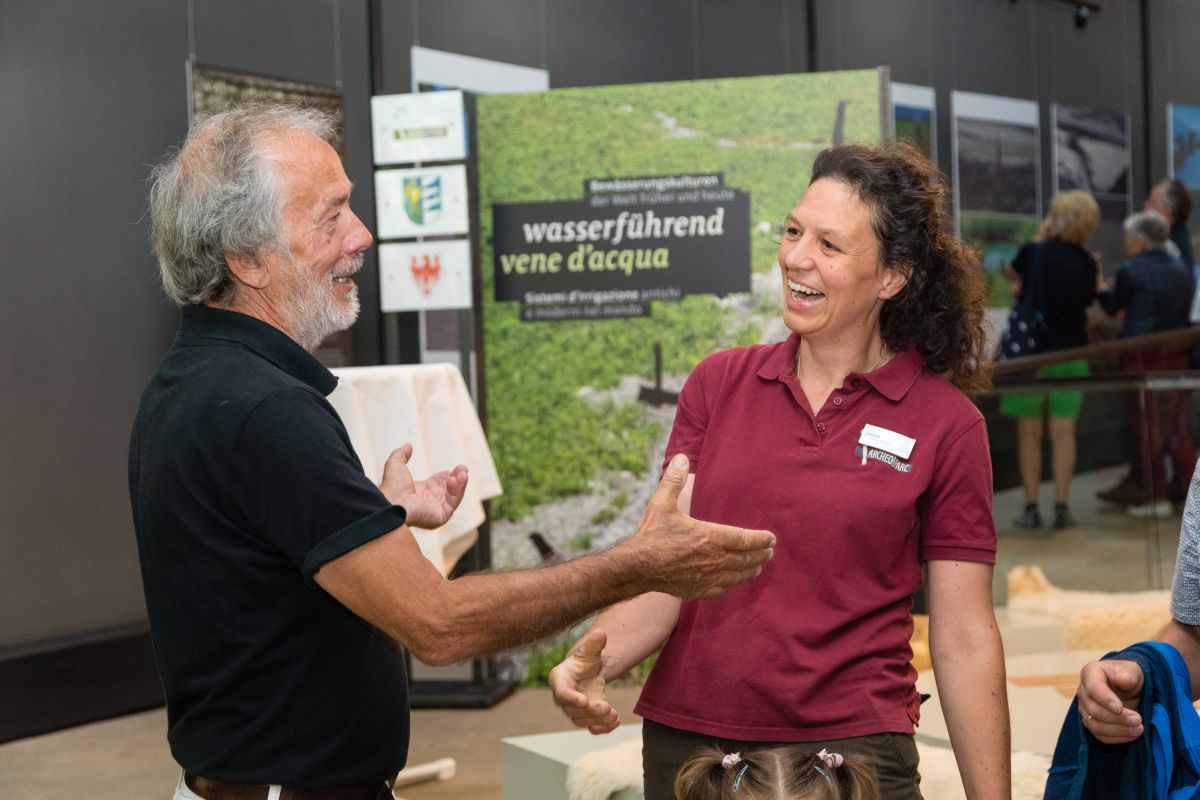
(998, 236)
(549, 440)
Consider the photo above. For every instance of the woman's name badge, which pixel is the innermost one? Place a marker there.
(878, 438)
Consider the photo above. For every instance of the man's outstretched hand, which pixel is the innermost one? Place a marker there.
(428, 503)
(690, 558)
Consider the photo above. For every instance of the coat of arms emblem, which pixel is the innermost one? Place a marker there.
(423, 198)
(425, 271)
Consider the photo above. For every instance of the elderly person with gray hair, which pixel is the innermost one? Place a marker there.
(1153, 292)
(281, 584)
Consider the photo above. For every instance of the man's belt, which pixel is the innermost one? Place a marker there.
(211, 789)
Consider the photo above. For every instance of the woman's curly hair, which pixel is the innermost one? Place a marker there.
(940, 311)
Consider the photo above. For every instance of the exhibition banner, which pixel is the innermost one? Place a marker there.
(627, 232)
(630, 241)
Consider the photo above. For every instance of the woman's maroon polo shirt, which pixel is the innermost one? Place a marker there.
(817, 646)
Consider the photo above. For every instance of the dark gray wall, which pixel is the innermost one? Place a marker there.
(588, 43)
(1174, 61)
(95, 93)
(1026, 49)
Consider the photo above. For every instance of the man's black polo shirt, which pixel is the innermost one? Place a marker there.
(243, 484)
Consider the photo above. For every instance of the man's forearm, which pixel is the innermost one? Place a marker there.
(495, 611)
(389, 583)
(1185, 639)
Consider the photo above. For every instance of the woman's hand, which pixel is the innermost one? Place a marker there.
(578, 685)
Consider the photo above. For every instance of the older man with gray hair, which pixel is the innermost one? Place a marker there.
(281, 584)
(1153, 291)
(1152, 287)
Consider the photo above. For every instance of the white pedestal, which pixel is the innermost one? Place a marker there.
(536, 766)
(1036, 705)
(1025, 633)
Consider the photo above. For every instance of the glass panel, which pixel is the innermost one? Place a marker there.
(1121, 432)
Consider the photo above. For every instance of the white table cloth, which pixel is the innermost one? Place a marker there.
(428, 406)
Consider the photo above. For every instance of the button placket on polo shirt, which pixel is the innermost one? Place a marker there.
(837, 403)
(824, 417)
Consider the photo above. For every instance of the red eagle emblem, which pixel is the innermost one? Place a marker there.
(426, 269)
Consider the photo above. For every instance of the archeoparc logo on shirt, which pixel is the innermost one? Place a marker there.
(882, 456)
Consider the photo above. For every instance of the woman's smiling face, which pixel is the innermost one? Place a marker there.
(833, 281)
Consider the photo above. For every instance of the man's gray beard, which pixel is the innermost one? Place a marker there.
(313, 311)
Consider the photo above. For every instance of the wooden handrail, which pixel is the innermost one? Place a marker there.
(1179, 336)
(1154, 381)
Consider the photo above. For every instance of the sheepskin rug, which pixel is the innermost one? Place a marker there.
(1095, 620)
(940, 779)
(600, 773)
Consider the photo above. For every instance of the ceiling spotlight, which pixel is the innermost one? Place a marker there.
(1081, 16)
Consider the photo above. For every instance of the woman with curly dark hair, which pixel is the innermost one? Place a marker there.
(853, 441)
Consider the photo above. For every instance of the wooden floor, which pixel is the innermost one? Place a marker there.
(128, 759)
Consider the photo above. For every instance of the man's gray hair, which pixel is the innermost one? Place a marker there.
(220, 194)
(1150, 227)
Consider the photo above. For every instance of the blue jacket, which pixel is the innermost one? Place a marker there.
(1162, 764)
(1155, 290)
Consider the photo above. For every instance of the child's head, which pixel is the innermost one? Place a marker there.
(792, 772)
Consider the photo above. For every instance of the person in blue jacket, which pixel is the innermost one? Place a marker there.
(1110, 691)
(1132, 732)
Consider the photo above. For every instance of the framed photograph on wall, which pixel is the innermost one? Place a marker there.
(997, 179)
(1091, 153)
(216, 89)
(1183, 143)
(914, 112)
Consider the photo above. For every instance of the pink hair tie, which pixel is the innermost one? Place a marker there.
(831, 759)
(731, 760)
